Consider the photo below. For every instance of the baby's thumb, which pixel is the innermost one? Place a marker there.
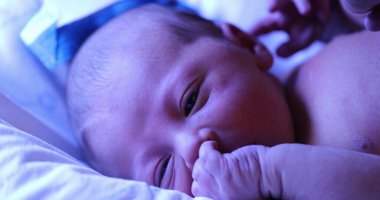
(207, 147)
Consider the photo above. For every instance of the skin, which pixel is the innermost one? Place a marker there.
(334, 101)
(336, 106)
(304, 20)
(122, 142)
(286, 171)
(366, 12)
(237, 104)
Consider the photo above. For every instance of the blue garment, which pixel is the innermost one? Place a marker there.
(55, 46)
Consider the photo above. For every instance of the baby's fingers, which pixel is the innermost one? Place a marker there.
(203, 181)
(300, 36)
(207, 147)
(276, 21)
(303, 6)
(208, 160)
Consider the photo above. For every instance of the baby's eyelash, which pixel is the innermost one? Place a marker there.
(191, 101)
(163, 170)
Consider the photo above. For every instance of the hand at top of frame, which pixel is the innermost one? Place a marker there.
(303, 20)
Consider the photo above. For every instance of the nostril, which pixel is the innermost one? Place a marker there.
(189, 144)
(207, 134)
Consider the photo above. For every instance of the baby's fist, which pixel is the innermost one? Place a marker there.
(234, 175)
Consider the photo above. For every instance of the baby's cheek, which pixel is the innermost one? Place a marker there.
(182, 179)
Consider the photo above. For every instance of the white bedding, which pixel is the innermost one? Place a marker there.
(33, 169)
(30, 168)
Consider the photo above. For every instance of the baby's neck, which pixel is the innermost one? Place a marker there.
(300, 117)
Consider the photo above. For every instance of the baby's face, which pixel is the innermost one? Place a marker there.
(165, 99)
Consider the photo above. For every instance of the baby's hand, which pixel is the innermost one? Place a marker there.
(234, 175)
(303, 20)
(371, 9)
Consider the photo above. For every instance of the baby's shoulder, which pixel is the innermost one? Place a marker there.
(335, 95)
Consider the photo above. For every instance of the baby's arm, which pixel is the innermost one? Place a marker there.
(289, 171)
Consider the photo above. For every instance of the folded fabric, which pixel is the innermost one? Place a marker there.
(32, 169)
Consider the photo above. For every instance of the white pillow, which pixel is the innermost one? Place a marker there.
(27, 83)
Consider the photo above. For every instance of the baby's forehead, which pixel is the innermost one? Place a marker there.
(156, 22)
(143, 37)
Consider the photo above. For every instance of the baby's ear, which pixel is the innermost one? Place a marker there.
(242, 39)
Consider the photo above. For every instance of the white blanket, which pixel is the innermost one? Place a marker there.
(33, 169)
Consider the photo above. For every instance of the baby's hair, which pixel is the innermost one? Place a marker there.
(88, 75)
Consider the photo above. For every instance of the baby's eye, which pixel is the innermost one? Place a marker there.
(191, 101)
(164, 172)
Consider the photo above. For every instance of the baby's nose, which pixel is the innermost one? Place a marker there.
(190, 147)
(207, 134)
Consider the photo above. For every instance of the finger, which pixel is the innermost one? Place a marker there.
(203, 180)
(210, 159)
(303, 6)
(207, 147)
(372, 21)
(323, 9)
(275, 21)
(196, 168)
(300, 37)
(199, 191)
(276, 5)
(263, 28)
(195, 189)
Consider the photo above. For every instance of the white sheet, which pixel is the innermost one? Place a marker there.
(33, 169)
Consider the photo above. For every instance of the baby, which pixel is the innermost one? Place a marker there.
(155, 90)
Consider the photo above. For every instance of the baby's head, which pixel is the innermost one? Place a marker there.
(148, 88)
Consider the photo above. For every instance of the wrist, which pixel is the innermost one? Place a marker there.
(271, 160)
